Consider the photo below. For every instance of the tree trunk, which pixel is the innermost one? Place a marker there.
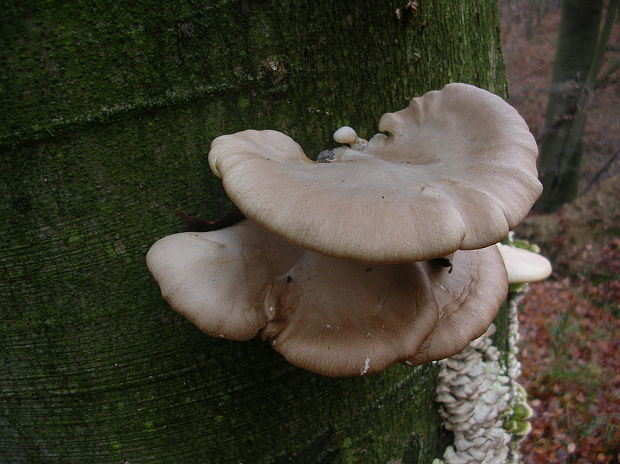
(108, 112)
(562, 140)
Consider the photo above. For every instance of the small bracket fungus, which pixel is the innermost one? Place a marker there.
(482, 402)
(382, 251)
(523, 266)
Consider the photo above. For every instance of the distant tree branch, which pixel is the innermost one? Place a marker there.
(608, 78)
(603, 39)
(600, 172)
(609, 82)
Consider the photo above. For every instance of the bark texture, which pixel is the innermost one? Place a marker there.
(577, 61)
(108, 110)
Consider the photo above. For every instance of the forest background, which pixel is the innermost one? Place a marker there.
(570, 323)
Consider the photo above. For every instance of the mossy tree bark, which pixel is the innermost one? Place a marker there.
(108, 110)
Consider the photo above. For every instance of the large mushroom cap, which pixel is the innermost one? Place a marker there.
(457, 171)
(330, 316)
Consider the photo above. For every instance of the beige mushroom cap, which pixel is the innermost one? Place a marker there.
(457, 171)
(465, 315)
(524, 266)
(330, 316)
(201, 276)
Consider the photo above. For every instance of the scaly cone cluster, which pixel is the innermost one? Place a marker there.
(481, 401)
(473, 391)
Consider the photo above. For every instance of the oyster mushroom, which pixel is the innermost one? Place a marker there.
(466, 314)
(331, 316)
(523, 266)
(457, 171)
(380, 252)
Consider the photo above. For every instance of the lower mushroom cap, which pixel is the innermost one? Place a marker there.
(338, 317)
(329, 316)
(466, 314)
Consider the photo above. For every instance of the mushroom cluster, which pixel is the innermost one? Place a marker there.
(381, 251)
(482, 403)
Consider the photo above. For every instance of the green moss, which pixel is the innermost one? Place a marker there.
(100, 63)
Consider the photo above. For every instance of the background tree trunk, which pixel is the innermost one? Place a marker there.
(578, 59)
(108, 110)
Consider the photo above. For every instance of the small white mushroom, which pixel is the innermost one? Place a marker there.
(346, 135)
(524, 266)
